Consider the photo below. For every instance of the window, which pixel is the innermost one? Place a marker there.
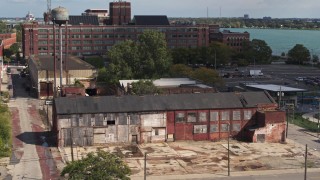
(235, 127)
(192, 117)
(86, 36)
(202, 116)
(214, 128)
(111, 122)
(236, 115)
(156, 132)
(224, 127)
(179, 117)
(199, 129)
(247, 114)
(214, 116)
(225, 115)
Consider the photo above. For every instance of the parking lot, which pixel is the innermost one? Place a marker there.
(281, 74)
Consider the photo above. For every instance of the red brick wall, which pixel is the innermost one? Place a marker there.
(170, 122)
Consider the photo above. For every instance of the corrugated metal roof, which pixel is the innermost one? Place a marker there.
(151, 20)
(275, 88)
(112, 104)
(85, 20)
(45, 62)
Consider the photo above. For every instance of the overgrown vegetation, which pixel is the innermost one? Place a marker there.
(304, 123)
(5, 131)
(99, 165)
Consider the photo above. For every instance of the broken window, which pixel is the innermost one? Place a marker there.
(202, 116)
(111, 122)
(225, 115)
(192, 117)
(236, 115)
(156, 132)
(214, 128)
(247, 114)
(224, 127)
(214, 116)
(179, 117)
(236, 127)
(199, 129)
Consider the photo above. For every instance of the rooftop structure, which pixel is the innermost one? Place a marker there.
(150, 20)
(275, 88)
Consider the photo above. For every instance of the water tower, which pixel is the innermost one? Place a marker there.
(60, 16)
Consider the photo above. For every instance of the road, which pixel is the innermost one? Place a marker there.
(31, 157)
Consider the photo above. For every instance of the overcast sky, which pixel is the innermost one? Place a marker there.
(175, 8)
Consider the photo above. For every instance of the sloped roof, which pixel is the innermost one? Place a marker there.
(150, 20)
(113, 104)
(85, 20)
(45, 62)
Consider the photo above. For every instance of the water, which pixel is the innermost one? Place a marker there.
(281, 40)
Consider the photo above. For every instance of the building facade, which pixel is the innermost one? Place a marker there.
(120, 12)
(234, 40)
(145, 119)
(94, 39)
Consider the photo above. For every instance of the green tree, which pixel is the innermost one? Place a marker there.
(222, 52)
(99, 165)
(207, 76)
(298, 54)
(262, 53)
(142, 87)
(315, 58)
(3, 27)
(154, 54)
(180, 70)
(148, 58)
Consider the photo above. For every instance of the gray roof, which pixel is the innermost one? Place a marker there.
(275, 88)
(45, 62)
(113, 104)
(85, 20)
(148, 20)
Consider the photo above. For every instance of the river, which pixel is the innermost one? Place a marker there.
(282, 40)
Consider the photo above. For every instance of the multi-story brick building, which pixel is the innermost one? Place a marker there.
(87, 36)
(95, 39)
(235, 40)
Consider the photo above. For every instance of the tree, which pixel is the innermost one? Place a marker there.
(261, 51)
(222, 52)
(99, 165)
(154, 55)
(148, 58)
(178, 70)
(208, 76)
(298, 54)
(144, 87)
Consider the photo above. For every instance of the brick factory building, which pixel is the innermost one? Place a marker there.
(87, 121)
(86, 35)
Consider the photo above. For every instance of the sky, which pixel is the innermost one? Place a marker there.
(175, 8)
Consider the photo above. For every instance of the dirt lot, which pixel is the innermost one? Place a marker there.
(189, 157)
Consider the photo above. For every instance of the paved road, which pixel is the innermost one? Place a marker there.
(31, 156)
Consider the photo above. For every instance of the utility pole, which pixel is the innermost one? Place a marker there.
(228, 149)
(145, 166)
(305, 162)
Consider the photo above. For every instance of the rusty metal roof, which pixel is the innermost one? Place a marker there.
(113, 104)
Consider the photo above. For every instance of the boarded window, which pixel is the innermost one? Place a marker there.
(202, 116)
(224, 127)
(236, 127)
(214, 128)
(225, 115)
(236, 115)
(214, 116)
(192, 117)
(99, 120)
(123, 119)
(247, 114)
(134, 119)
(179, 117)
(199, 129)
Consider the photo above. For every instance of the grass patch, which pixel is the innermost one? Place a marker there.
(300, 121)
(5, 131)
